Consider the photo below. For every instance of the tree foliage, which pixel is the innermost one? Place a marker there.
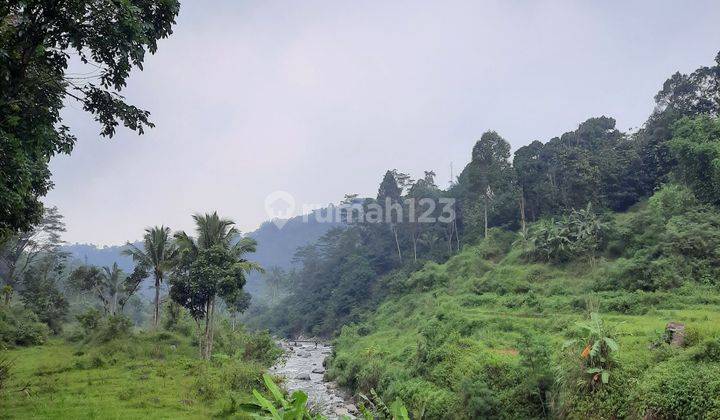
(38, 41)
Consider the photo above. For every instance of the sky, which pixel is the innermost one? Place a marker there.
(319, 98)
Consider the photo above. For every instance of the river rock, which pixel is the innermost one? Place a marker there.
(303, 377)
(351, 408)
(318, 370)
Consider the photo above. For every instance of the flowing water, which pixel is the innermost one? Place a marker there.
(303, 369)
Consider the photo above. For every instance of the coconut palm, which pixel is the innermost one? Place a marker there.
(213, 234)
(157, 255)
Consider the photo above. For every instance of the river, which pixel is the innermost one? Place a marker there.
(302, 367)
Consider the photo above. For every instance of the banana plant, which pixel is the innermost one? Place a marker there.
(279, 408)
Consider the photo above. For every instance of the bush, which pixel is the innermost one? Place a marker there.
(677, 389)
(117, 326)
(21, 327)
(89, 320)
(707, 351)
(206, 387)
(431, 276)
(260, 347)
(242, 376)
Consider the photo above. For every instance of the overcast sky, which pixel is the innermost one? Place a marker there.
(319, 98)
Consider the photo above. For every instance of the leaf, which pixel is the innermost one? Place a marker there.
(605, 376)
(274, 390)
(595, 349)
(266, 404)
(299, 400)
(250, 408)
(398, 411)
(568, 343)
(593, 370)
(612, 344)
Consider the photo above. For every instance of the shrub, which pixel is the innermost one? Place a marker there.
(113, 327)
(260, 347)
(677, 389)
(707, 351)
(89, 320)
(205, 386)
(21, 327)
(242, 376)
(431, 276)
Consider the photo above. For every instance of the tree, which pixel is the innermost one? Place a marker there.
(21, 251)
(489, 170)
(276, 278)
(110, 285)
(696, 147)
(237, 306)
(682, 95)
(42, 296)
(157, 255)
(210, 266)
(389, 197)
(37, 38)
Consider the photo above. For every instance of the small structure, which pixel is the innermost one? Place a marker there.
(675, 333)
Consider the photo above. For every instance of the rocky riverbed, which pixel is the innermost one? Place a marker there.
(302, 367)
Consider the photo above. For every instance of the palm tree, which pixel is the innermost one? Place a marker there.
(113, 282)
(213, 231)
(158, 254)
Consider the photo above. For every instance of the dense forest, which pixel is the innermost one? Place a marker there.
(572, 278)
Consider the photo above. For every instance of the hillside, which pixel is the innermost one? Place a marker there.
(482, 335)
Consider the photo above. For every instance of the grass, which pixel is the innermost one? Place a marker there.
(467, 319)
(137, 377)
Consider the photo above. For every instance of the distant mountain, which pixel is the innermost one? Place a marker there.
(276, 247)
(101, 256)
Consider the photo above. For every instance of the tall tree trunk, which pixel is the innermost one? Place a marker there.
(397, 243)
(414, 248)
(206, 337)
(211, 338)
(522, 209)
(486, 217)
(209, 329)
(156, 314)
(457, 235)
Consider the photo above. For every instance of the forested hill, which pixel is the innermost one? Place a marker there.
(597, 238)
(101, 256)
(277, 244)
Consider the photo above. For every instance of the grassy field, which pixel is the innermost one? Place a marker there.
(147, 375)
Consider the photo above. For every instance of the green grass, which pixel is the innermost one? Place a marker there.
(464, 322)
(137, 377)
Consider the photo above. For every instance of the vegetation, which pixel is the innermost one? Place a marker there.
(36, 38)
(546, 295)
(575, 278)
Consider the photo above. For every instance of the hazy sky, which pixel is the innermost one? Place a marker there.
(319, 98)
